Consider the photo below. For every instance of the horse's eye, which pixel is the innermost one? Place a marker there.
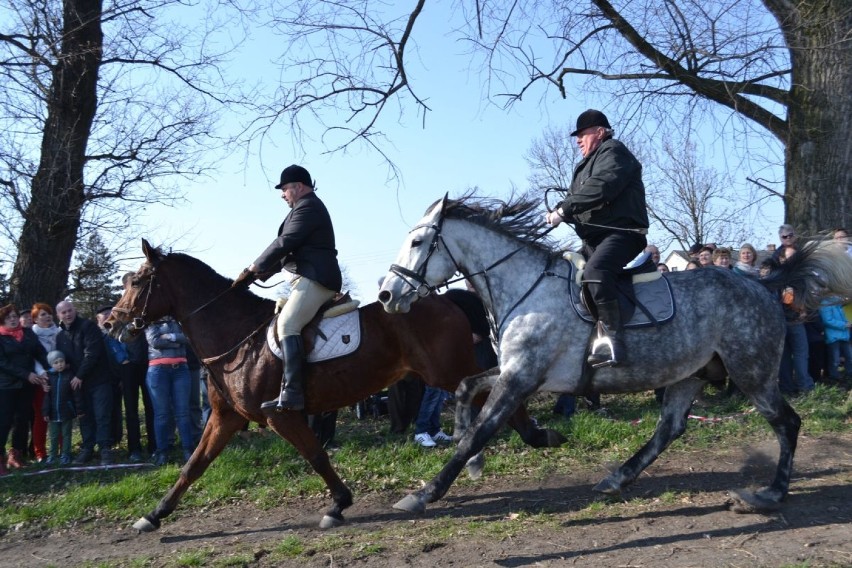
(416, 243)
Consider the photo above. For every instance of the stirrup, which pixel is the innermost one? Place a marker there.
(601, 343)
(597, 354)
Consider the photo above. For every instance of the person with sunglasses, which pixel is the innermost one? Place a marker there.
(788, 237)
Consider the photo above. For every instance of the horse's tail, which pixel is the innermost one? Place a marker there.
(817, 271)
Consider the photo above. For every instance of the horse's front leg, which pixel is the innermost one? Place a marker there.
(469, 388)
(221, 427)
(504, 399)
(529, 431)
(293, 427)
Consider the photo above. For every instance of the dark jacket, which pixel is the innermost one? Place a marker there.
(137, 349)
(85, 350)
(160, 347)
(62, 402)
(17, 359)
(305, 245)
(607, 190)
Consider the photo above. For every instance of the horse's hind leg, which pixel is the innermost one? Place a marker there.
(786, 424)
(294, 428)
(221, 426)
(671, 425)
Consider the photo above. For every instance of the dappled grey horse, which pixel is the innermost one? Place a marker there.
(722, 318)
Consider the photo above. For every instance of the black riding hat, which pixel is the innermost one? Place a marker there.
(294, 173)
(590, 118)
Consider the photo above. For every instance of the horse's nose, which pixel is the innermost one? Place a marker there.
(107, 325)
(384, 296)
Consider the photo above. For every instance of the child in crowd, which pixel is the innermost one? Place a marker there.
(836, 338)
(61, 405)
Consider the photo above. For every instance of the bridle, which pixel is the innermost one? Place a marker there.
(140, 322)
(422, 288)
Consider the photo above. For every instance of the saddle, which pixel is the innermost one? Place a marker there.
(645, 295)
(334, 331)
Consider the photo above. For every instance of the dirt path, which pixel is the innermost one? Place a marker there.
(675, 515)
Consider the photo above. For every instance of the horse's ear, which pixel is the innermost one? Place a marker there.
(152, 254)
(444, 203)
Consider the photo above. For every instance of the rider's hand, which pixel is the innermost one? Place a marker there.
(553, 218)
(244, 280)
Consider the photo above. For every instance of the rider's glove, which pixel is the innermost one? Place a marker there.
(244, 280)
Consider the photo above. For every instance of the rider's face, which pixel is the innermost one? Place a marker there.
(292, 192)
(589, 139)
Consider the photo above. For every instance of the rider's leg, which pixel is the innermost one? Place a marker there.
(606, 259)
(305, 299)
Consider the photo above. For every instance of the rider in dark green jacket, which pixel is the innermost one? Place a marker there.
(606, 203)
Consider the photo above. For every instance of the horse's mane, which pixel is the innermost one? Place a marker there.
(519, 218)
(196, 265)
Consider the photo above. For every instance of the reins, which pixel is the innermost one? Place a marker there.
(139, 323)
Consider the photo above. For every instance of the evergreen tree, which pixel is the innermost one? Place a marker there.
(4, 289)
(94, 280)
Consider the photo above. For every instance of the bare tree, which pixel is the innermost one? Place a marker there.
(105, 105)
(691, 203)
(766, 70)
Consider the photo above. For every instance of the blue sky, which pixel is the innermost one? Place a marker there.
(228, 221)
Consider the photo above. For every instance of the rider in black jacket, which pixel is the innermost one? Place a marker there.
(606, 203)
(304, 246)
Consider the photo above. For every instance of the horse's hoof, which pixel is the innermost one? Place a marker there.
(474, 466)
(554, 438)
(746, 502)
(330, 522)
(607, 486)
(144, 525)
(412, 504)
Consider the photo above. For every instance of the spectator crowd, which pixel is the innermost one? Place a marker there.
(58, 367)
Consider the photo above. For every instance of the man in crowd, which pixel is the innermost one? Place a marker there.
(83, 345)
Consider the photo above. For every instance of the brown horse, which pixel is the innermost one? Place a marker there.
(226, 330)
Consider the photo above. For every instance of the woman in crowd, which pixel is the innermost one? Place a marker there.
(41, 316)
(705, 256)
(168, 382)
(747, 264)
(722, 257)
(19, 351)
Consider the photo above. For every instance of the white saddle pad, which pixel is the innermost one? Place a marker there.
(342, 336)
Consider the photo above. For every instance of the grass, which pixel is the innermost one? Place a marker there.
(263, 470)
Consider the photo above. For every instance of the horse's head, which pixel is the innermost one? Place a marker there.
(143, 300)
(422, 264)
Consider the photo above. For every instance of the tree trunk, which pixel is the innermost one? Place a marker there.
(819, 148)
(53, 215)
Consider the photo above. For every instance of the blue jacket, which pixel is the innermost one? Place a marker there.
(835, 323)
(165, 340)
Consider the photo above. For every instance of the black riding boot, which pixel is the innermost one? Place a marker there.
(292, 395)
(608, 349)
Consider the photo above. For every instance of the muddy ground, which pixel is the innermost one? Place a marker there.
(674, 515)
